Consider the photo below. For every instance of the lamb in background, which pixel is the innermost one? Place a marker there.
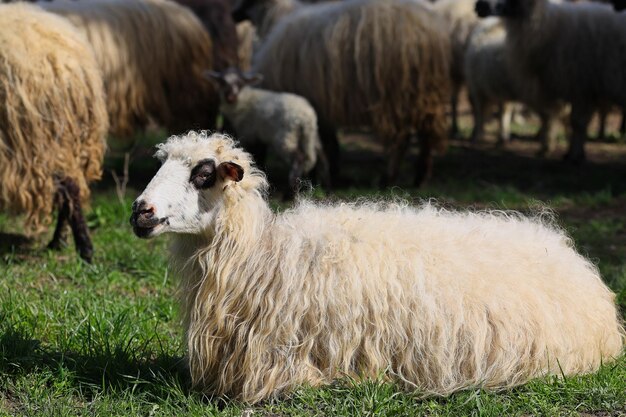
(382, 64)
(285, 122)
(53, 122)
(581, 42)
(437, 300)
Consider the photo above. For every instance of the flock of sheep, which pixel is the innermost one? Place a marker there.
(388, 65)
(272, 301)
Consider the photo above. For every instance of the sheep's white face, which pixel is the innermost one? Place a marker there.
(184, 196)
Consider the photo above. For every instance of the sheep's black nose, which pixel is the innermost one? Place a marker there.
(143, 214)
(145, 210)
(483, 8)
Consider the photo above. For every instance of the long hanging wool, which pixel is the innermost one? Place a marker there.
(53, 118)
(439, 300)
(152, 54)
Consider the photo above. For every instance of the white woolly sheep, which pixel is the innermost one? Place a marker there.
(437, 300)
(382, 64)
(152, 54)
(568, 52)
(53, 122)
(461, 20)
(285, 122)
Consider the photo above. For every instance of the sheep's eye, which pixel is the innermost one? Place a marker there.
(203, 174)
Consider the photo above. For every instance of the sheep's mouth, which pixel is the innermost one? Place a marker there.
(147, 228)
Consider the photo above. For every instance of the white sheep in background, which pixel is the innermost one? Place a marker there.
(568, 52)
(438, 300)
(490, 83)
(285, 122)
(460, 19)
(488, 79)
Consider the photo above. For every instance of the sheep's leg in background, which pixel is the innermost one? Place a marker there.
(77, 221)
(547, 134)
(59, 238)
(330, 144)
(454, 104)
(579, 121)
(296, 174)
(478, 111)
(602, 115)
(321, 173)
(506, 117)
(394, 154)
(424, 165)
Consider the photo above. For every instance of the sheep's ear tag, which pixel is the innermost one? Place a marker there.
(230, 171)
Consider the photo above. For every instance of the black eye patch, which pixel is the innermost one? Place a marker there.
(203, 174)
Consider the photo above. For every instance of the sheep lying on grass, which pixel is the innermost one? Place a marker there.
(53, 121)
(152, 54)
(285, 122)
(438, 300)
(382, 64)
(568, 52)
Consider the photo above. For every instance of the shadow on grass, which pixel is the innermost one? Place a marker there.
(117, 370)
(543, 176)
(12, 242)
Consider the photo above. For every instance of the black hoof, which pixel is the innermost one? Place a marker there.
(56, 244)
(86, 254)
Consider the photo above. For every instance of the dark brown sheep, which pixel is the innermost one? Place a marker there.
(377, 63)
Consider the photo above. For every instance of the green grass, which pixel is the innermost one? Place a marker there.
(104, 339)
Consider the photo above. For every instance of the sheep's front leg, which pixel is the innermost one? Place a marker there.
(506, 116)
(579, 121)
(478, 111)
(424, 166)
(59, 238)
(77, 221)
(296, 173)
(602, 119)
(330, 144)
(547, 134)
(454, 104)
(394, 155)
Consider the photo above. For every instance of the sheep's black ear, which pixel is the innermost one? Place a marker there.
(230, 171)
(212, 75)
(252, 79)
